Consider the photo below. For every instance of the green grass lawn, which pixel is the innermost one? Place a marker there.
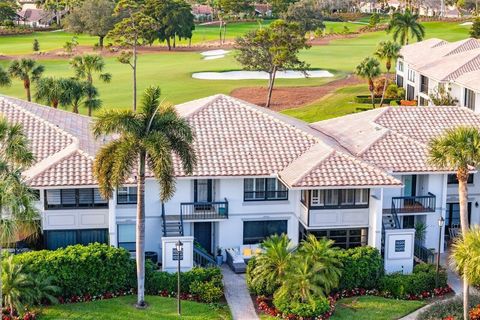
(172, 71)
(370, 308)
(334, 105)
(123, 309)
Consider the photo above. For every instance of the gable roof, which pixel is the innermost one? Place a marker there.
(233, 138)
(400, 135)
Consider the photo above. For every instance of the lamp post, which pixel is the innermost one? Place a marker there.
(179, 247)
(440, 225)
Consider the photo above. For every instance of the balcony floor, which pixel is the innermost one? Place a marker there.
(196, 216)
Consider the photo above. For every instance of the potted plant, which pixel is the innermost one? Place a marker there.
(219, 256)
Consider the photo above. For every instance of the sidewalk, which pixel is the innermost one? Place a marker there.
(237, 295)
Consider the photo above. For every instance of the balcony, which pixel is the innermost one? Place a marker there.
(414, 204)
(204, 210)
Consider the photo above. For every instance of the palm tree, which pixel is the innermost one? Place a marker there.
(405, 24)
(53, 91)
(27, 71)
(4, 78)
(19, 217)
(85, 66)
(458, 149)
(369, 69)
(150, 136)
(465, 256)
(323, 255)
(44, 290)
(390, 52)
(17, 286)
(81, 92)
(272, 264)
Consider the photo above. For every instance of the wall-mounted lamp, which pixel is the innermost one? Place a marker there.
(476, 204)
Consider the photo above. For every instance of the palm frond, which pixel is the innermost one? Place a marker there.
(117, 121)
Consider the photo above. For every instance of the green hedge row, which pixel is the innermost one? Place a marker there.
(422, 279)
(81, 270)
(368, 99)
(362, 268)
(98, 268)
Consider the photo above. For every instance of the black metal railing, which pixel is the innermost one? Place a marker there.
(414, 204)
(204, 210)
(203, 259)
(424, 254)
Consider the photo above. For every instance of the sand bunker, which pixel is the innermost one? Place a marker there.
(214, 54)
(469, 23)
(259, 75)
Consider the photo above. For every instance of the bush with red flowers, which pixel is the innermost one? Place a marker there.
(474, 313)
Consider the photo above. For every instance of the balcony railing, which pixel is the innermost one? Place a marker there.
(423, 254)
(204, 210)
(414, 204)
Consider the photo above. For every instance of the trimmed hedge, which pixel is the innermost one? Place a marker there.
(422, 279)
(368, 99)
(83, 270)
(362, 268)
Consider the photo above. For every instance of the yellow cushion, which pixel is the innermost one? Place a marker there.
(247, 252)
(258, 251)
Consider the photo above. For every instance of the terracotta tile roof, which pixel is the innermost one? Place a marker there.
(406, 132)
(74, 170)
(234, 138)
(336, 169)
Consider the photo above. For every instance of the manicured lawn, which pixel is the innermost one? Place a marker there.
(334, 105)
(172, 70)
(374, 308)
(370, 308)
(123, 309)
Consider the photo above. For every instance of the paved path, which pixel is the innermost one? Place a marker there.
(237, 295)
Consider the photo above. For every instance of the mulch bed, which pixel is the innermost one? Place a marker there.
(292, 97)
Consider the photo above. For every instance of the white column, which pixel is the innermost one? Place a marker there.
(112, 220)
(375, 218)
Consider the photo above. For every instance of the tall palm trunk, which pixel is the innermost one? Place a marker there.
(26, 85)
(462, 176)
(140, 235)
(387, 77)
(135, 75)
(271, 82)
(371, 87)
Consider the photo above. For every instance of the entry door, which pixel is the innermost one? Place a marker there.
(202, 232)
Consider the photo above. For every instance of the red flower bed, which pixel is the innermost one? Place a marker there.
(475, 313)
(265, 305)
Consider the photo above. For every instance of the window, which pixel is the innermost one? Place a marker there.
(74, 198)
(344, 238)
(399, 81)
(411, 75)
(304, 197)
(469, 99)
(410, 92)
(55, 239)
(264, 189)
(452, 179)
(257, 231)
(127, 195)
(339, 198)
(400, 65)
(424, 84)
(126, 236)
(36, 194)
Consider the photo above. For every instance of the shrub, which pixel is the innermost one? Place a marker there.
(157, 282)
(368, 99)
(308, 309)
(474, 313)
(421, 280)
(362, 268)
(394, 92)
(207, 292)
(447, 308)
(82, 270)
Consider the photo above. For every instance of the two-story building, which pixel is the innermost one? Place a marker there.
(258, 173)
(427, 65)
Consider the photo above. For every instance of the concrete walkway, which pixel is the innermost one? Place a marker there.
(237, 295)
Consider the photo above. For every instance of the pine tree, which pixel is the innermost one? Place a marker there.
(36, 45)
(475, 31)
